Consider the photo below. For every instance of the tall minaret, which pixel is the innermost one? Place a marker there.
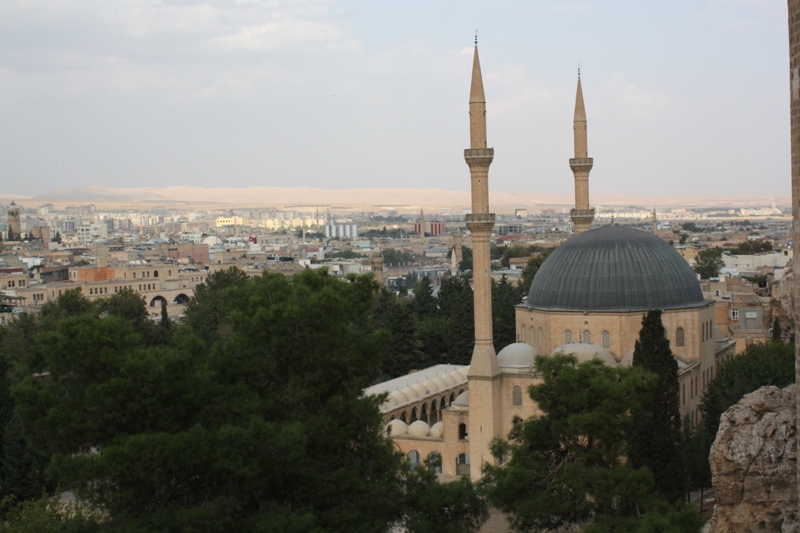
(581, 164)
(484, 385)
(421, 223)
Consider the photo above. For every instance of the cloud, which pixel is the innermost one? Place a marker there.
(622, 90)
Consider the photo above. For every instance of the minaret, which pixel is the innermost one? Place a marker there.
(655, 222)
(13, 232)
(457, 248)
(421, 223)
(484, 385)
(581, 164)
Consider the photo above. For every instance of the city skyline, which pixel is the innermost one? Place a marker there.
(682, 98)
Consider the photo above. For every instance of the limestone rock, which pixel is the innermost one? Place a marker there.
(753, 463)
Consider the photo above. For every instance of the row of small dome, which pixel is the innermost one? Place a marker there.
(418, 428)
(520, 356)
(429, 386)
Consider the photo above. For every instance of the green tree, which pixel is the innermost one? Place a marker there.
(708, 262)
(656, 435)
(208, 311)
(425, 305)
(404, 347)
(530, 270)
(567, 466)
(456, 301)
(505, 297)
(264, 429)
(758, 366)
(777, 331)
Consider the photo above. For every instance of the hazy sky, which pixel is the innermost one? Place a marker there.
(682, 97)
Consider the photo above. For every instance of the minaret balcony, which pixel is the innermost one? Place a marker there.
(582, 215)
(581, 164)
(480, 221)
(479, 155)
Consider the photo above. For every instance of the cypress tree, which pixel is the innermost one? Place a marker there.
(656, 433)
(777, 330)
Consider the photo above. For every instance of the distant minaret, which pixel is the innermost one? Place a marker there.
(13, 232)
(377, 267)
(655, 222)
(421, 223)
(581, 164)
(484, 385)
(459, 252)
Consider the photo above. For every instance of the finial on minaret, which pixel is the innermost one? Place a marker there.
(476, 36)
(579, 70)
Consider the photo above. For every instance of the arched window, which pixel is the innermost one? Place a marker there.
(541, 338)
(516, 395)
(522, 335)
(414, 414)
(586, 338)
(462, 465)
(423, 415)
(462, 432)
(568, 337)
(452, 398)
(606, 338)
(443, 403)
(155, 273)
(533, 339)
(403, 417)
(435, 462)
(413, 459)
(679, 337)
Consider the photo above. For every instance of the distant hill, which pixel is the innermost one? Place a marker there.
(397, 198)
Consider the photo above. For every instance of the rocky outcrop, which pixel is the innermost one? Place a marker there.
(753, 462)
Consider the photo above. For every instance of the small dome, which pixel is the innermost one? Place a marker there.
(448, 379)
(437, 430)
(390, 402)
(458, 376)
(462, 400)
(396, 427)
(587, 352)
(627, 360)
(442, 384)
(517, 356)
(420, 389)
(419, 429)
(411, 393)
(430, 385)
(399, 397)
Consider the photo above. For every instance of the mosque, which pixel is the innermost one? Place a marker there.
(587, 299)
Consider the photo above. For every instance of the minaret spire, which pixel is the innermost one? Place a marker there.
(484, 371)
(581, 164)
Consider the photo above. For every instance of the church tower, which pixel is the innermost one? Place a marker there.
(581, 164)
(484, 372)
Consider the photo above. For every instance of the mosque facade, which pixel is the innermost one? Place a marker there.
(588, 299)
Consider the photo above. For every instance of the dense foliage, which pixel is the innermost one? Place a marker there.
(708, 262)
(759, 365)
(567, 466)
(249, 417)
(656, 433)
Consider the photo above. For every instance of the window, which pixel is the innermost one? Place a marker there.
(606, 338)
(586, 338)
(533, 338)
(679, 338)
(568, 337)
(516, 396)
(462, 432)
(462, 465)
(541, 338)
(734, 314)
(413, 459)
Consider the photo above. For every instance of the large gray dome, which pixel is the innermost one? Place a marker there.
(614, 269)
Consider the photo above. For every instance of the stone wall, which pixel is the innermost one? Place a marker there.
(753, 463)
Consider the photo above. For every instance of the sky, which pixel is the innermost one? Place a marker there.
(682, 97)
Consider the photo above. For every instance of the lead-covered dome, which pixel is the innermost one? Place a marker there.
(614, 269)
